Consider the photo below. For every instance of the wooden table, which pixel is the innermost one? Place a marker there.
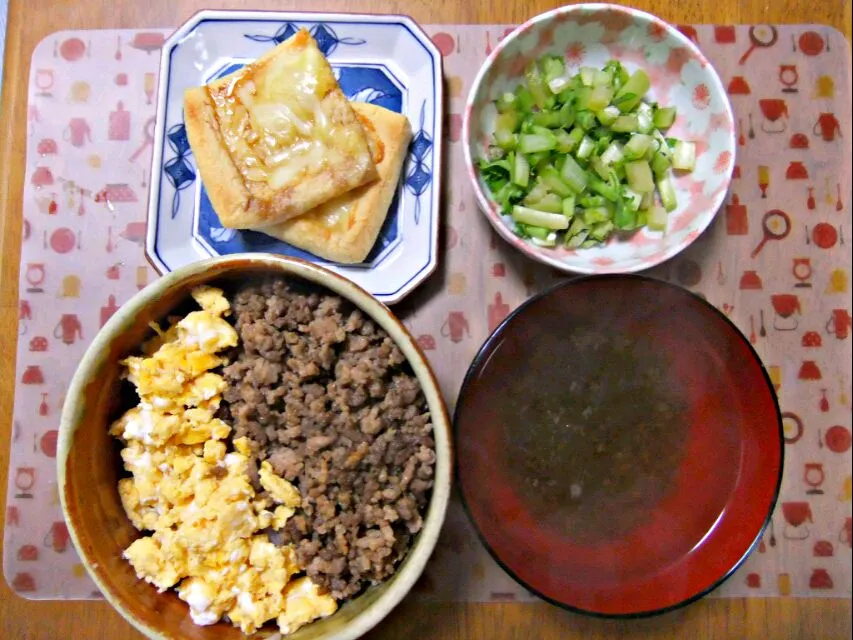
(32, 20)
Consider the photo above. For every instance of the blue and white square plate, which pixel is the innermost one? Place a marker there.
(384, 59)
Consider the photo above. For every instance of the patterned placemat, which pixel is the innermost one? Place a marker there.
(88, 156)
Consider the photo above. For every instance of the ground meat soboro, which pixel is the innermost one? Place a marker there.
(326, 396)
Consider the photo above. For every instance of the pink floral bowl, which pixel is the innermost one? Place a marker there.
(681, 76)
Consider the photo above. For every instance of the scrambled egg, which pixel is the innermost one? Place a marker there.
(195, 496)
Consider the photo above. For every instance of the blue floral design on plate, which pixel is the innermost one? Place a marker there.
(327, 39)
(178, 170)
(419, 177)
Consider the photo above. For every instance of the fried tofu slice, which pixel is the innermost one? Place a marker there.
(345, 229)
(276, 138)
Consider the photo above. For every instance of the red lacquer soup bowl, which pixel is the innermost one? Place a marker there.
(620, 446)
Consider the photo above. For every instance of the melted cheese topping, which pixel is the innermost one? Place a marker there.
(272, 118)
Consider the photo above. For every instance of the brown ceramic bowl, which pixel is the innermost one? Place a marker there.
(89, 466)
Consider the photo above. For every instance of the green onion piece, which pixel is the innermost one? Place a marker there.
(577, 226)
(533, 231)
(612, 155)
(581, 98)
(552, 68)
(589, 243)
(600, 97)
(632, 91)
(648, 200)
(552, 203)
(575, 241)
(533, 142)
(566, 141)
(633, 200)
(538, 218)
(573, 174)
(536, 84)
(587, 75)
(601, 230)
(626, 124)
(567, 115)
(602, 78)
(624, 217)
(595, 214)
(585, 120)
(684, 156)
(664, 117)
(657, 218)
(660, 164)
(600, 168)
(585, 148)
(607, 115)
(549, 241)
(508, 122)
(637, 146)
(552, 179)
(549, 119)
(523, 99)
(506, 102)
(568, 207)
(639, 175)
(505, 140)
(521, 171)
(642, 219)
(603, 188)
(588, 202)
(667, 192)
(539, 191)
(577, 135)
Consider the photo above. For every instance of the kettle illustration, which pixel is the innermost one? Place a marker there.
(455, 327)
(827, 126)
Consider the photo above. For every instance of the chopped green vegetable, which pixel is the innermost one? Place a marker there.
(538, 218)
(576, 158)
(657, 218)
(684, 156)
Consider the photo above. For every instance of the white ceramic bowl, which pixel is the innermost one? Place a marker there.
(590, 35)
(89, 464)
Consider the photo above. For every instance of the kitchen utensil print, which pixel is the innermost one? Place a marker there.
(814, 477)
(44, 80)
(840, 323)
(763, 179)
(789, 76)
(762, 330)
(825, 235)
(68, 329)
(827, 127)
(797, 514)
(786, 307)
(737, 219)
(761, 36)
(455, 327)
(811, 203)
(811, 43)
(802, 271)
(118, 48)
(119, 123)
(792, 427)
(775, 115)
(823, 406)
(776, 225)
(839, 205)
